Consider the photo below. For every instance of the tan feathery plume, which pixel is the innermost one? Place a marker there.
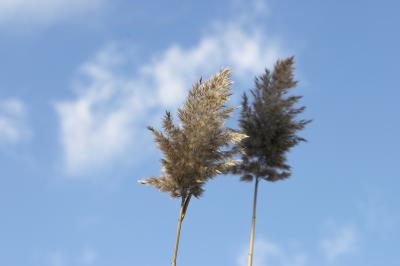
(197, 149)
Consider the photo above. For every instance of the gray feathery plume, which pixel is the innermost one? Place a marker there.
(271, 127)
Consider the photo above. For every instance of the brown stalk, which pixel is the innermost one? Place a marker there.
(253, 224)
(182, 213)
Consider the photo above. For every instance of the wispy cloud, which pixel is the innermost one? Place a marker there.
(339, 243)
(342, 241)
(269, 253)
(12, 121)
(100, 124)
(56, 258)
(28, 12)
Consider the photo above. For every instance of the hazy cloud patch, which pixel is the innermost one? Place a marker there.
(342, 241)
(13, 126)
(43, 12)
(84, 257)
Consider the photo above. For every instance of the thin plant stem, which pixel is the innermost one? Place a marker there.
(182, 213)
(253, 224)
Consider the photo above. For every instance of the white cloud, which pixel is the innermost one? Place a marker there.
(101, 122)
(246, 52)
(12, 121)
(342, 242)
(267, 253)
(25, 12)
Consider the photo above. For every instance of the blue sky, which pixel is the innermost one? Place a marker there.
(80, 81)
